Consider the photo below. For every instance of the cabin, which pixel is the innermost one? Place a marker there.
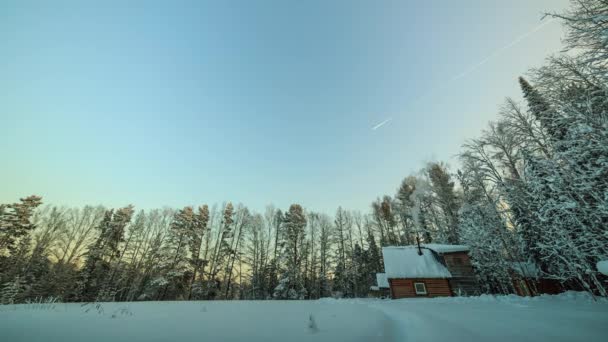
(429, 270)
(382, 289)
(528, 281)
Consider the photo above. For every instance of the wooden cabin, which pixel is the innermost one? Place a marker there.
(528, 280)
(430, 270)
(457, 260)
(382, 288)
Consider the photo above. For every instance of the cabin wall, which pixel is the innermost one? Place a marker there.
(528, 287)
(463, 281)
(459, 264)
(404, 288)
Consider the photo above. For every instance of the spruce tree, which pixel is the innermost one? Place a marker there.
(291, 284)
(443, 187)
(541, 109)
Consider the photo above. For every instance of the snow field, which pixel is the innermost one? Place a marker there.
(250, 321)
(567, 317)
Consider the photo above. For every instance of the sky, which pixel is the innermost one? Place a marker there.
(322, 103)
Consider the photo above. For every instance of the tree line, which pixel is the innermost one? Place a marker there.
(532, 187)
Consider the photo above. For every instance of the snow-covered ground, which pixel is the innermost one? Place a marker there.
(213, 321)
(567, 317)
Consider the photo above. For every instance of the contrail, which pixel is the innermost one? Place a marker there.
(478, 64)
(381, 124)
(502, 49)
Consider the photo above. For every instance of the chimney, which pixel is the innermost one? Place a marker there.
(419, 248)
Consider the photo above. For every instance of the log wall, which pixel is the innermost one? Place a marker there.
(404, 288)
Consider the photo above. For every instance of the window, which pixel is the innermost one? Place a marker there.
(420, 288)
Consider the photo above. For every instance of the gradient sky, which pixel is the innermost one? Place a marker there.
(175, 103)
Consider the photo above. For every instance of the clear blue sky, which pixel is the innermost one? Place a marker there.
(176, 103)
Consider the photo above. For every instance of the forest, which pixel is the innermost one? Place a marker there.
(532, 186)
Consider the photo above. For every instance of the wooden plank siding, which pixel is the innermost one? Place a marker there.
(465, 286)
(463, 281)
(404, 288)
(459, 264)
(532, 287)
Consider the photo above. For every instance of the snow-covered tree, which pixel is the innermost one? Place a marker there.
(291, 285)
(15, 222)
(446, 199)
(405, 205)
(197, 230)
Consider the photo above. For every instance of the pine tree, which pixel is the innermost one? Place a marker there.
(375, 264)
(364, 276)
(95, 266)
(96, 278)
(342, 271)
(325, 244)
(221, 251)
(199, 228)
(242, 219)
(180, 234)
(405, 205)
(543, 112)
(384, 217)
(291, 285)
(15, 222)
(448, 201)
(424, 220)
(568, 194)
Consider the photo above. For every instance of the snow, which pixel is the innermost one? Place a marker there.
(567, 317)
(571, 316)
(441, 249)
(526, 269)
(382, 280)
(602, 267)
(404, 262)
(229, 321)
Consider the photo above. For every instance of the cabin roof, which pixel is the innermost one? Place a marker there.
(404, 262)
(382, 280)
(442, 249)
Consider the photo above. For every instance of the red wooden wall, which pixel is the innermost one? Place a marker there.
(404, 288)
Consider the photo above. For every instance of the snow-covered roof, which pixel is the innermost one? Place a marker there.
(602, 267)
(441, 249)
(382, 280)
(526, 269)
(404, 262)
